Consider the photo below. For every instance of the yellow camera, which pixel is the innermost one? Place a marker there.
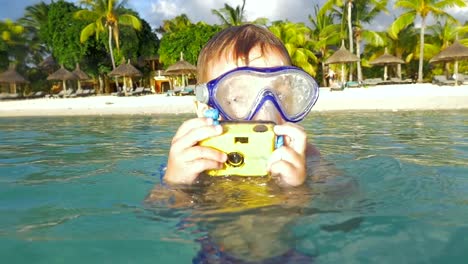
(248, 146)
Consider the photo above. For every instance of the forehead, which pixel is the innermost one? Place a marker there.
(269, 58)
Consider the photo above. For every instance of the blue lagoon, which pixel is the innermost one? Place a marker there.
(73, 189)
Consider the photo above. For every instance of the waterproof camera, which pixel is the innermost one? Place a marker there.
(248, 146)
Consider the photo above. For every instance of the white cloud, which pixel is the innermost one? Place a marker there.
(165, 8)
(155, 11)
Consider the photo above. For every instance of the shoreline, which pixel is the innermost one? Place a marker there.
(378, 98)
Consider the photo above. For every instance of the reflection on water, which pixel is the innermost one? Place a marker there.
(400, 183)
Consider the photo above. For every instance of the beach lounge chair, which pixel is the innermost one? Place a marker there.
(77, 93)
(372, 81)
(84, 93)
(59, 95)
(442, 80)
(37, 94)
(337, 87)
(188, 90)
(147, 90)
(352, 84)
(138, 91)
(462, 79)
(91, 92)
(9, 96)
(175, 91)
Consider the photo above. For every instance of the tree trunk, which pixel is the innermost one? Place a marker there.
(358, 54)
(111, 51)
(350, 35)
(421, 50)
(324, 73)
(399, 55)
(324, 79)
(101, 84)
(399, 71)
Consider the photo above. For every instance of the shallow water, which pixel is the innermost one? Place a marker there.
(72, 190)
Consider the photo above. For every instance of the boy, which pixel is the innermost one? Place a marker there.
(235, 47)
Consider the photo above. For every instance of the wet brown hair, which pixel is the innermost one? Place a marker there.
(235, 43)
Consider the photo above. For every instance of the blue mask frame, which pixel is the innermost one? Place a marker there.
(205, 93)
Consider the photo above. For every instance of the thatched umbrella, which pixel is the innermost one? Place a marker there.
(125, 70)
(81, 75)
(454, 52)
(63, 75)
(342, 56)
(12, 77)
(385, 60)
(181, 67)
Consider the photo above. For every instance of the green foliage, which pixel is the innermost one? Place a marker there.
(423, 8)
(106, 16)
(142, 43)
(189, 40)
(297, 39)
(179, 22)
(12, 44)
(35, 17)
(62, 36)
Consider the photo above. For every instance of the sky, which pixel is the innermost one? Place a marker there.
(155, 11)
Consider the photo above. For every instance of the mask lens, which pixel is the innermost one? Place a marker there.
(237, 93)
(241, 92)
(294, 93)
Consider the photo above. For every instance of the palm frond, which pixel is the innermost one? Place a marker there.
(401, 23)
(88, 31)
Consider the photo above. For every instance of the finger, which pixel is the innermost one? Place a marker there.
(199, 152)
(192, 137)
(279, 170)
(201, 165)
(191, 124)
(289, 169)
(296, 136)
(286, 154)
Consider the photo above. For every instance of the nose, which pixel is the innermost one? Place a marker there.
(268, 112)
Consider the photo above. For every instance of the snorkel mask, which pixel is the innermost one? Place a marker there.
(239, 94)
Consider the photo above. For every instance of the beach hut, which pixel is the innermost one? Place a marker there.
(386, 60)
(182, 68)
(125, 70)
(80, 75)
(342, 56)
(12, 77)
(63, 75)
(454, 52)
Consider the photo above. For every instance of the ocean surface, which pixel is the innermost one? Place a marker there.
(392, 188)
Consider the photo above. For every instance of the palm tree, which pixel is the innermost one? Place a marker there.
(231, 16)
(34, 18)
(324, 33)
(297, 39)
(365, 12)
(175, 24)
(106, 15)
(423, 8)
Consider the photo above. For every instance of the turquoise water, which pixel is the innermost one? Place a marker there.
(72, 190)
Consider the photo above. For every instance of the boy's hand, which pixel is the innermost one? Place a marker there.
(186, 159)
(288, 163)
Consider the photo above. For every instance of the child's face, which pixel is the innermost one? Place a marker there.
(270, 58)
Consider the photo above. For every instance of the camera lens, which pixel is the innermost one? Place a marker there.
(235, 159)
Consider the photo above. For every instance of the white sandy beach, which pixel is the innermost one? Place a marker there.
(384, 97)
